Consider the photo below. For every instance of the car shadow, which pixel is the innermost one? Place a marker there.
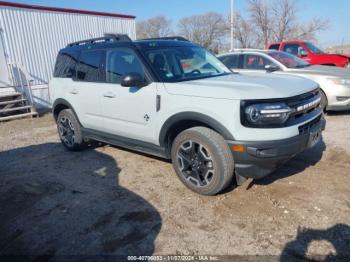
(338, 236)
(299, 163)
(57, 203)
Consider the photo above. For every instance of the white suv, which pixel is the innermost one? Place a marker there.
(173, 99)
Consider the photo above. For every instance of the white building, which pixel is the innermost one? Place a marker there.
(31, 36)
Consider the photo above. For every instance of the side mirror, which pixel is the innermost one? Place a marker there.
(271, 68)
(303, 52)
(133, 80)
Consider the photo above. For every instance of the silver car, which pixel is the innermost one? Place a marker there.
(334, 81)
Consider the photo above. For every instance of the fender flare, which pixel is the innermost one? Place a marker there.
(61, 101)
(194, 116)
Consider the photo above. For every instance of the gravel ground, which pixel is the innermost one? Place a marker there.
(107, 200)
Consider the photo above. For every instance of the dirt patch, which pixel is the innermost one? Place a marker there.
(110, 201)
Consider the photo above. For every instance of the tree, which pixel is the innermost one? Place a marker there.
(243, 31)
(309, 30)
(158, 26)
(207, 29)
(284, 19)
(260, 18)
(275, 21)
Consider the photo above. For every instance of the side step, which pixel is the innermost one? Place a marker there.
(5, 118)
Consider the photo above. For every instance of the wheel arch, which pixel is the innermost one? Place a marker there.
(61, 104)
(182, 121)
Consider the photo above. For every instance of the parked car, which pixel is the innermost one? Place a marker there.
(334, 81)
(175, 100)
(311, 54)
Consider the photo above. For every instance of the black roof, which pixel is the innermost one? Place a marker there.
(111, 41)
(156, 43)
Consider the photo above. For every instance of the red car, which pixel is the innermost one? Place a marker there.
(311, 53)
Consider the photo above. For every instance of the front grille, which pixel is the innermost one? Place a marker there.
(304, 104)
(304, 129)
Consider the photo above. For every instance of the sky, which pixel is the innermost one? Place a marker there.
(336, 10)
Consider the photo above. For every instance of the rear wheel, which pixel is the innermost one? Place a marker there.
(202, 160)
(69, 130)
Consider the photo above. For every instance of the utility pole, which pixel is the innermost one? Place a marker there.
(232, 20)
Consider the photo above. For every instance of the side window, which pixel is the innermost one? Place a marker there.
(231, 61)
(274, 47)
(89, 67)
(66, 64)
(255, 62)
(294, 49)
(121, 61)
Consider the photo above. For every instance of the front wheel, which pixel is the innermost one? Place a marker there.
(202, 160)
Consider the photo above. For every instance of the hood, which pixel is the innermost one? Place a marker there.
(323, 70)
(237, 86)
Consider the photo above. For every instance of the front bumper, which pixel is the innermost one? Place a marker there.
(262, 158)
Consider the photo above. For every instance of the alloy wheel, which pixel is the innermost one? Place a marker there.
(195, 163)
(66, 131)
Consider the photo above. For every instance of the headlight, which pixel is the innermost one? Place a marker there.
(340, 81)
(267, 114)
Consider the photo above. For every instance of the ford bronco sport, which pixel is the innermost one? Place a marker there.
(173, 99)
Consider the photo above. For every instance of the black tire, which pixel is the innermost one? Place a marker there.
(69, 130)
(324, 101)
(202, 160)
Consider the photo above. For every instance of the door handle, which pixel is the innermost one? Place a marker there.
(74, 91)
(109, 95)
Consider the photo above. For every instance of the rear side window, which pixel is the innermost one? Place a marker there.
(89, 67)
(274, 47)
(66, 63)
(121, 61)
(231, 61)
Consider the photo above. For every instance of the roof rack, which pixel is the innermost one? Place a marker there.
(106, 38)
(176, 38)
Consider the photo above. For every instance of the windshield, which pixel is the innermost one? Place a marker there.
(174, 64)
(288, 60)
(314, 49)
